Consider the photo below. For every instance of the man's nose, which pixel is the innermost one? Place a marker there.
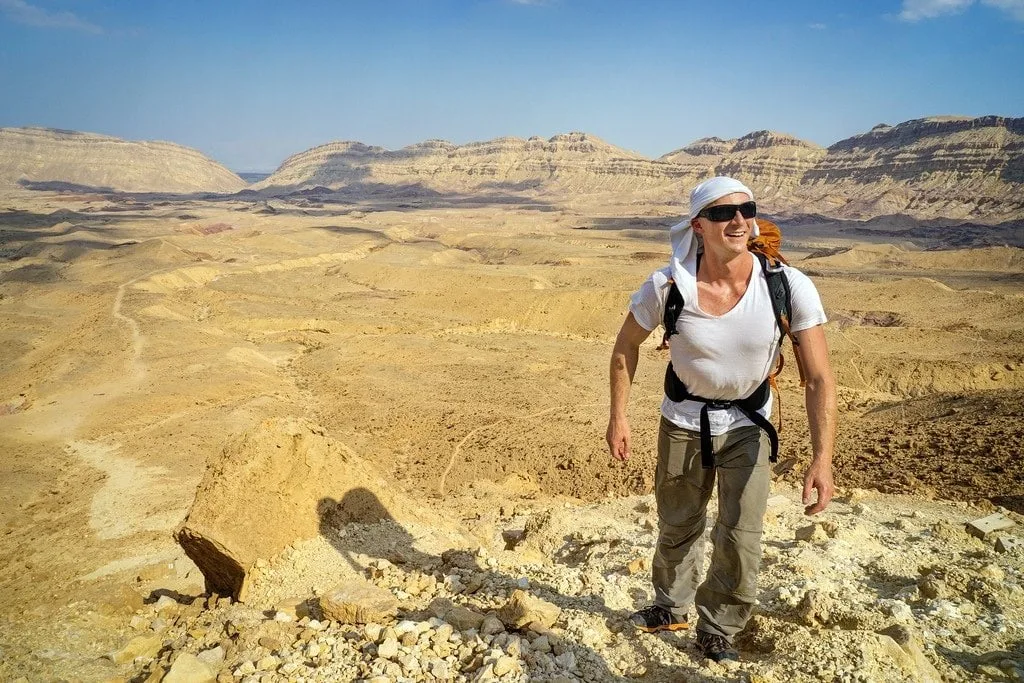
(737, 218)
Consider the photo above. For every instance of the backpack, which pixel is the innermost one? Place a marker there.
(766, 247)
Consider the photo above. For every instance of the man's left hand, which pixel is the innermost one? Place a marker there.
(818, 478)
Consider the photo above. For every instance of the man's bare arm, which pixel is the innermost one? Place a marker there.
(820, 397)
(625, 356)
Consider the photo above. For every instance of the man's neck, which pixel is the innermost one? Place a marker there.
(733, 269)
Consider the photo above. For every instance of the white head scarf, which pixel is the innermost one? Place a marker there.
(685, 243)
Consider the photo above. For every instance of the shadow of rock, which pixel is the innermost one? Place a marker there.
(1011, 502)
(180, 598)
(994, 665)
(62, 236)
(356, 192)
(113, 195)
(362, 506)
(348, 230)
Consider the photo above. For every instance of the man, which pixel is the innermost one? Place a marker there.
(725, 344)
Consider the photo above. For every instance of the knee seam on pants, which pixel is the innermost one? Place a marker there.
(691, 522)
(745, 530)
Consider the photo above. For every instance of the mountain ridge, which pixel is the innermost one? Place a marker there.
(951, 167)
(936, 167)
(45, 156)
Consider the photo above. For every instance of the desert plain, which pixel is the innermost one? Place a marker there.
(455, 352)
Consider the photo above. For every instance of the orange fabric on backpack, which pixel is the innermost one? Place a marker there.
(769, 242)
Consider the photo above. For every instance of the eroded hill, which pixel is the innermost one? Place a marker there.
(45, 158)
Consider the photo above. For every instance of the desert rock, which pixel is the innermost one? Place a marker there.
(358, 603)
(282, 482)
(523, 609)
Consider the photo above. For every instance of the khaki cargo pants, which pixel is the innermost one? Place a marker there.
(726, 598)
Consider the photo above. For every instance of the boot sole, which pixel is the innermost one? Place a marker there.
(726, 658)
(656, 629)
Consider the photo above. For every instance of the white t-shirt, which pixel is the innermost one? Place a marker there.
(726, 356)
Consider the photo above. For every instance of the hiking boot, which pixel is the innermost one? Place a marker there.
(715, 647)
(656, 618)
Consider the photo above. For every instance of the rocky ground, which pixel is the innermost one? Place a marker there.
(878, 588)
(460, 354)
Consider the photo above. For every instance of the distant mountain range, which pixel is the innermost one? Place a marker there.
(46, 157)
(953, 167)
(253, 176)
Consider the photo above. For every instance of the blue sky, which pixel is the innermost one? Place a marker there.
(249, 83)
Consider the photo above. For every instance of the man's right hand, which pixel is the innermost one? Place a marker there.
(618, 438)
(620, 376)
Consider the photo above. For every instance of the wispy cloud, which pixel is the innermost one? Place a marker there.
(916, 10)
(529, 2)
(1014, 8)
(817, 27)
(23, 13)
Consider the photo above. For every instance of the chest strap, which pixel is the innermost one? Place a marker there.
(677, 391)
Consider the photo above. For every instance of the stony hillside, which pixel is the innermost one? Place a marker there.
(43, 157)
(885, 589)
(941, 167)
(937, 167)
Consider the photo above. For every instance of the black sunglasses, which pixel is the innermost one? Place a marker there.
(725, 212)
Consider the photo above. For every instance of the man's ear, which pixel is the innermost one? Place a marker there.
(697, 227)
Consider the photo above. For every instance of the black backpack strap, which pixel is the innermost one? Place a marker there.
(677, 391)
(778, 292)
(673, 307)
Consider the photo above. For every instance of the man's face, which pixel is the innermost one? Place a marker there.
(727, 236)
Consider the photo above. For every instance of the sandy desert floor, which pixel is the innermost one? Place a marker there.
(452, 347)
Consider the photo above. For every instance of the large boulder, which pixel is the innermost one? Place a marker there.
(283, 481)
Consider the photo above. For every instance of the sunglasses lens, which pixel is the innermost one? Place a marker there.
(721, 213)
(725, 212)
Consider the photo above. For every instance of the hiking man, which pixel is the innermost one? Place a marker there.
(714, 417)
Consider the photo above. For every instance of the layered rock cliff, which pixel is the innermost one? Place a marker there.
(43, 156)
(938, 167)
(773, 162)
(573, 162)
(944, 166)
